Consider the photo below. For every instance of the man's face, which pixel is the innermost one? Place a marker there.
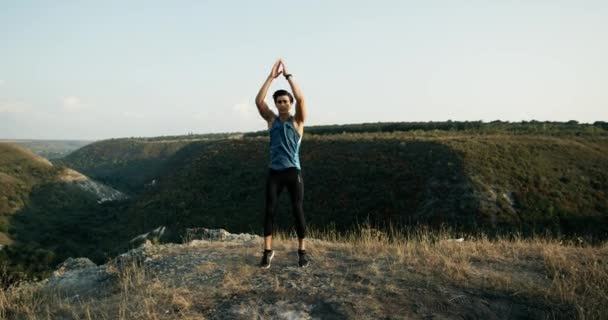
(283, 104)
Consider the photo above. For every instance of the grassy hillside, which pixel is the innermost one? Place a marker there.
(20, 171)
(69, 221)
(499, 176)
(528, 183)
(61, 220)
(222, 183)
(44, 219)
(555, 182)
(130, 163)
(126, 164)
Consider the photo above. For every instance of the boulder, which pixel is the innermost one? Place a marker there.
(81, 278)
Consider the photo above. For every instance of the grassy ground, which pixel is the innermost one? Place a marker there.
(364, 274)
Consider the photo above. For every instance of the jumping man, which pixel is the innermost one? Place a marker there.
(284, 170)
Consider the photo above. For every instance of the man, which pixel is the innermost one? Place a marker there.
(284, 170)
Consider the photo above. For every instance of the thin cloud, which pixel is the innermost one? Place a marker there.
(133, 115)
(72, 104)
(243, 109)
(13, 107)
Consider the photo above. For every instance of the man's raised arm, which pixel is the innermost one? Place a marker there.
(300, 115)
(263, 108)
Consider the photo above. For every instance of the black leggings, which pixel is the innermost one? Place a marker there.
(292, 179)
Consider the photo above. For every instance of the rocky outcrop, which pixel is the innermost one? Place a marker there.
(216, 275)
(217, 234)
(154, 236)
(81, 278)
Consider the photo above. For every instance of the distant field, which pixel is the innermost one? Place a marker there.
(50, 149)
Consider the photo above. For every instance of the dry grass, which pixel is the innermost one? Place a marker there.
(569, 274)
(137, 298)
(554, 273)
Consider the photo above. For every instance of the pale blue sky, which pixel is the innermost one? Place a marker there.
(95, 70)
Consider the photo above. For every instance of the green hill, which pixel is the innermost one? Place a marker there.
(49, 213)
(128, 164)
(20, 171)
(529, 177)
(527, 183)
(475, 127)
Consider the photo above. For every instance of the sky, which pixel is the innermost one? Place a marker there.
(90, 70)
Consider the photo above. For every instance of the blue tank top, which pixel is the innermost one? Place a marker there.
(284, 144)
